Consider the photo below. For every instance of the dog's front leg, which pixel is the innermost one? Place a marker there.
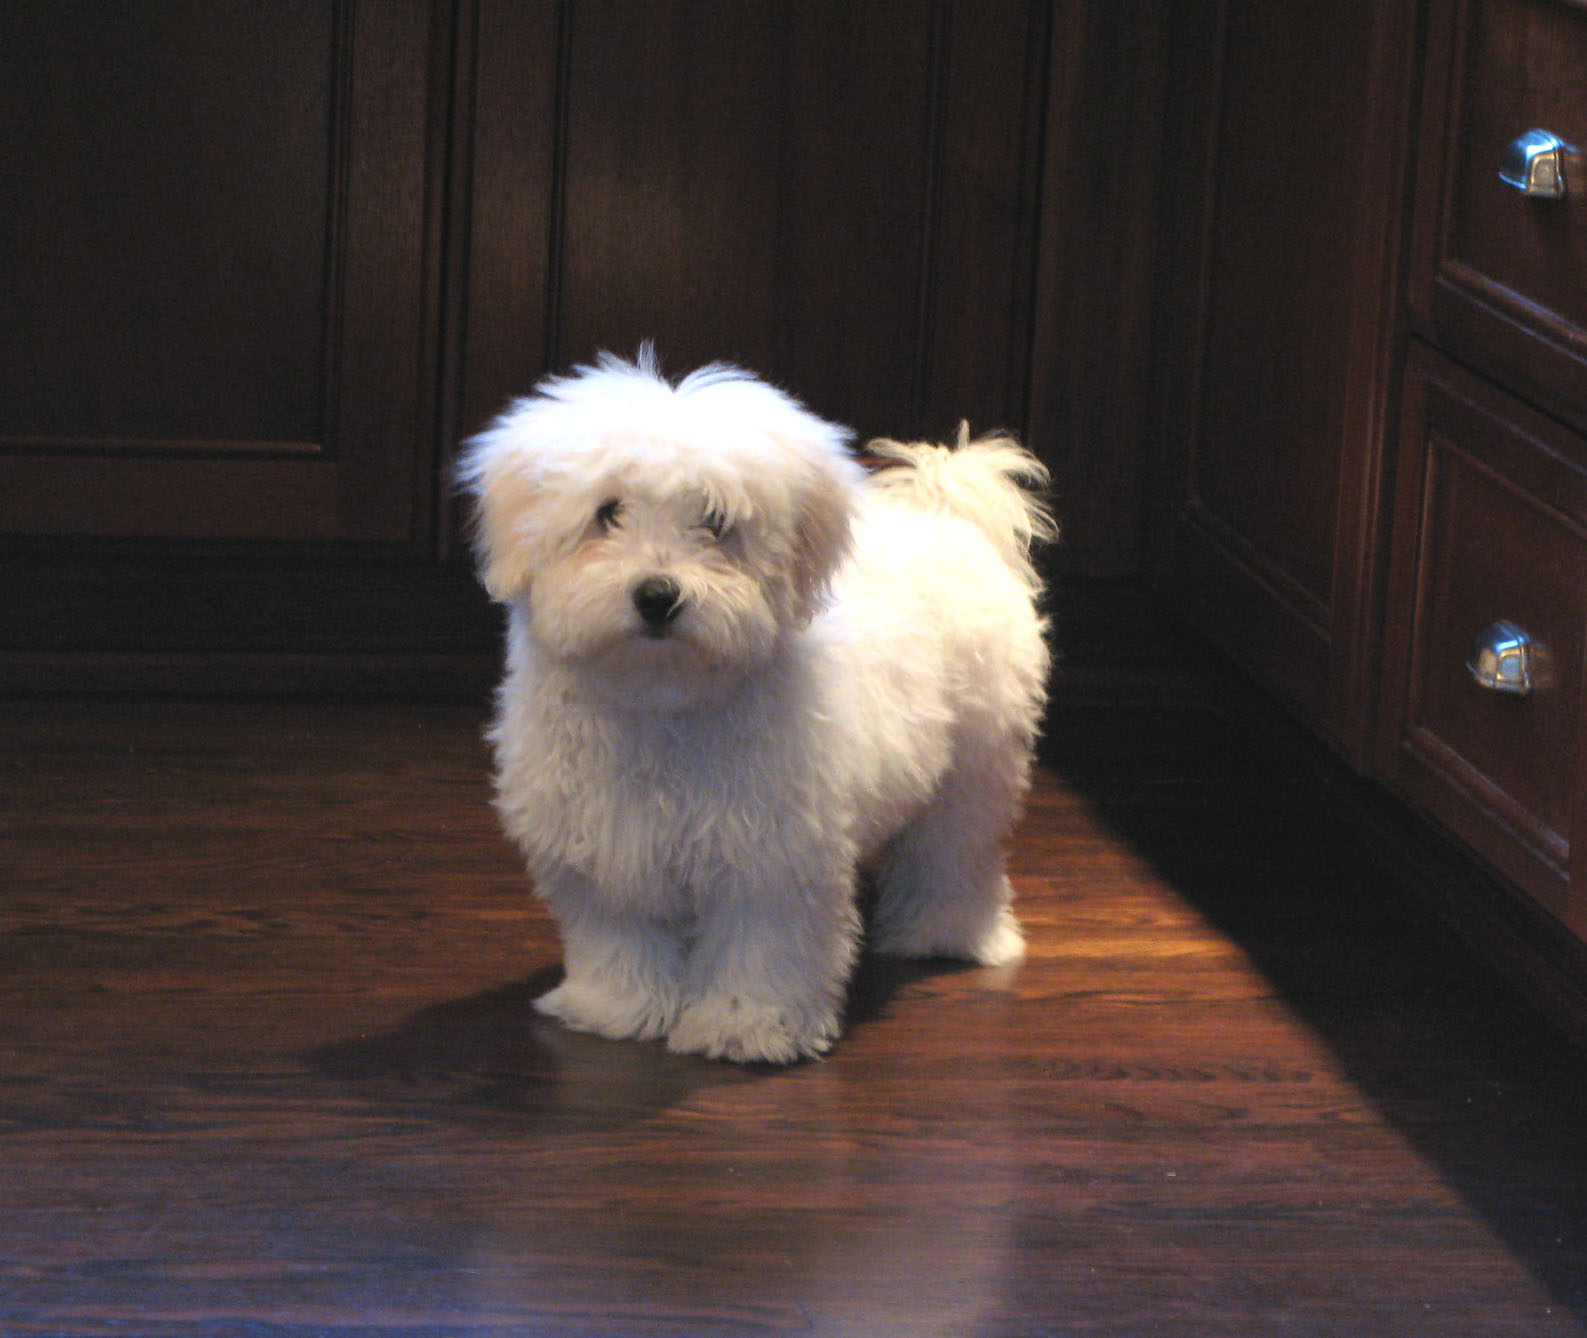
(624, 970)
(769, 971)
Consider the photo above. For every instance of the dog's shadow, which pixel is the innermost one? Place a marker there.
(491, 1059)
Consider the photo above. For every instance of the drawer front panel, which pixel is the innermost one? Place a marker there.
(1502, 277)
(1500, 521)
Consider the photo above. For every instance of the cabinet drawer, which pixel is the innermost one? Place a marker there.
(1494, 511)
(1501, 278)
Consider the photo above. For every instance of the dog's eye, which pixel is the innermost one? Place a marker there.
(716, 525)
(608, 514)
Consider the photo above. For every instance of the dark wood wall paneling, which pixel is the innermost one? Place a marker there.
(266, 266)
(201, 339)
(1102, 208)
(842, 197)
(223, 230)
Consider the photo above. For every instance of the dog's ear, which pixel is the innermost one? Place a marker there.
(505, 494)
(502, 542)
(824, 509)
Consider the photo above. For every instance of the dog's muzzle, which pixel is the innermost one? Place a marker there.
(659, 601)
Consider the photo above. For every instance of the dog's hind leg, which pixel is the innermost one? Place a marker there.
(942, 890)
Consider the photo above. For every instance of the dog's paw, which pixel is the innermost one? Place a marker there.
(579, 1007)
(725, 1026)
(998, 942)
(1002, 944)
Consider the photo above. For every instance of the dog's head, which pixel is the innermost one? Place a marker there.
(661, 537)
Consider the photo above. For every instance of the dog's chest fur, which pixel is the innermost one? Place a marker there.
(658, 811)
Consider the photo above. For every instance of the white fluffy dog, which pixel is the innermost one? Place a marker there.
(741, 670)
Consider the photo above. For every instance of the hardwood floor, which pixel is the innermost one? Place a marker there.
(267, 1067)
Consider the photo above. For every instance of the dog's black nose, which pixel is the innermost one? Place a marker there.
(659, 601)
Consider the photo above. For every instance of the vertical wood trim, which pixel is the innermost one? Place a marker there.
(784, 283)
(556, 204)
(444, 183)
(1207, 162)
(939, 48)
(1019, 385)
(453, 298)
(1371, 390)
(1089, 351)
(988, 182)
(1438, 149)
(1065, 57)
(342, 92)
(506, 222)
(384, 413)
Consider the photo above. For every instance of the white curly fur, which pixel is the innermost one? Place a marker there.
(850, 675)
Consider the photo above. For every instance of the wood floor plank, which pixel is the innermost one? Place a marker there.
(268, 1067)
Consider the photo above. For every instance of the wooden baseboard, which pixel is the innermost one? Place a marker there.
(384, 675)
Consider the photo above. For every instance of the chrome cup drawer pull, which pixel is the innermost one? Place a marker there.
(1535, 165)
(1507, 660)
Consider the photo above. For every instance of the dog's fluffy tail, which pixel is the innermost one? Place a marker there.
(992, 482)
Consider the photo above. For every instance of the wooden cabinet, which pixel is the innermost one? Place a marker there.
(1498, 279)
(1275, 343)
(1491, 512)
(1493, 509)
(1373, 397)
